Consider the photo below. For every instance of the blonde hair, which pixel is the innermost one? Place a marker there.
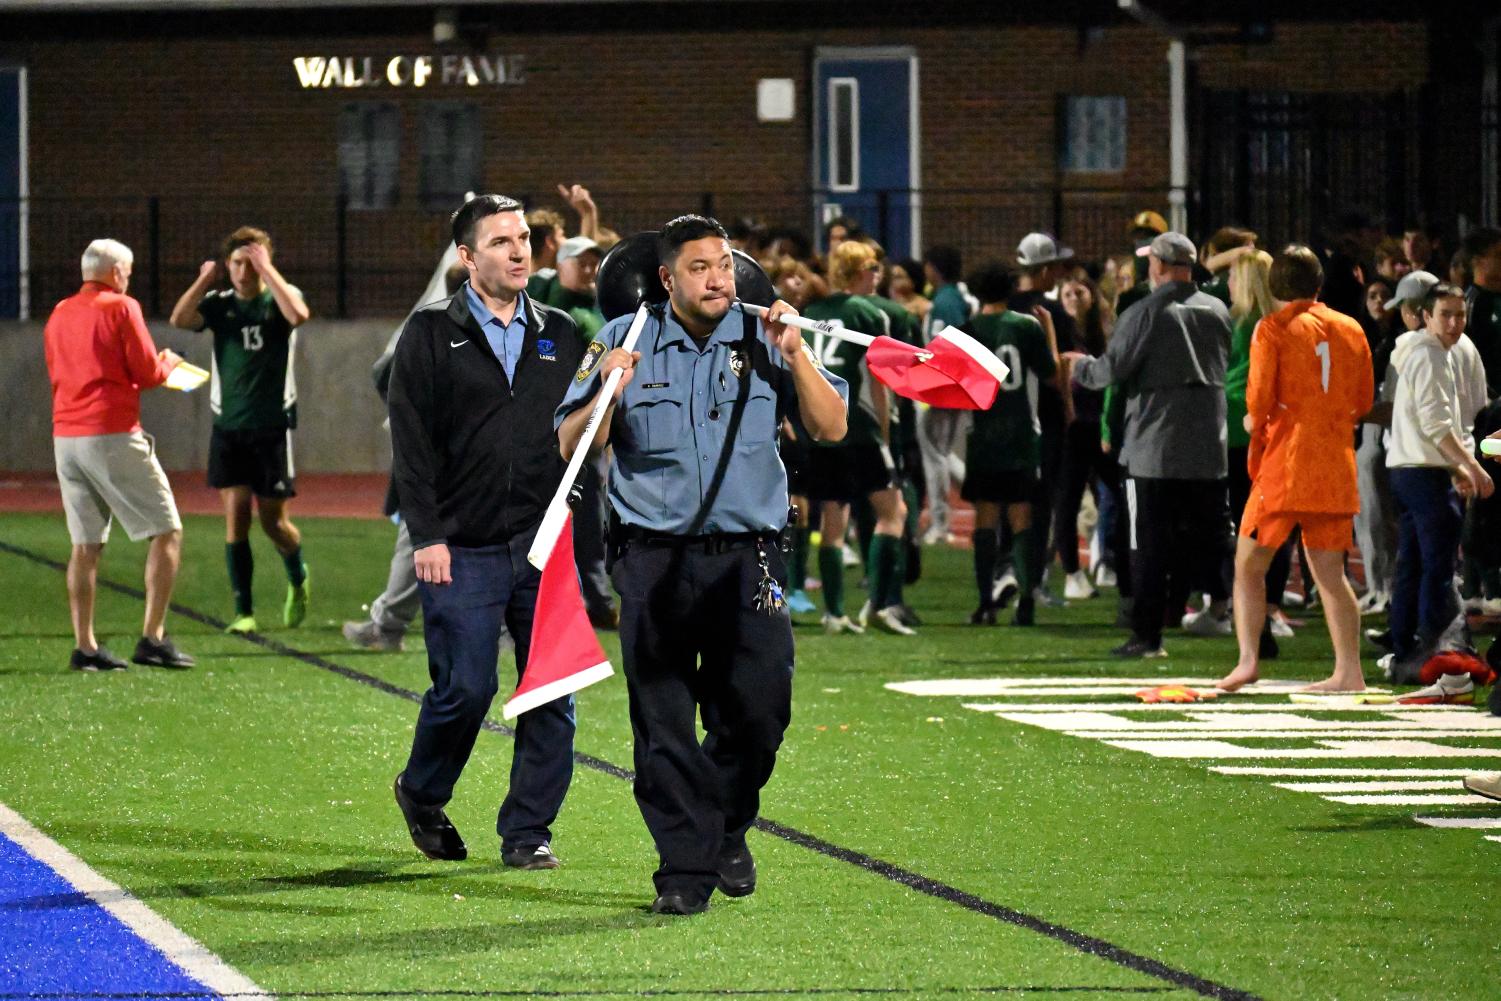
(1250, 289)
(847, 261)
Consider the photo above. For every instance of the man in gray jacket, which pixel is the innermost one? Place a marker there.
(1168, 356)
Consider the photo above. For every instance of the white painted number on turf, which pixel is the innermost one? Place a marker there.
(1322, 350)
(251, 335)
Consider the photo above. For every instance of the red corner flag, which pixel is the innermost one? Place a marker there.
(953, 371)
(565, 655)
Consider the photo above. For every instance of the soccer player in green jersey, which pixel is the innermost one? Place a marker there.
(860, 465)
(254, 400)
(1004, 448)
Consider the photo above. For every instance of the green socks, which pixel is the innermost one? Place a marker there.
(881, 566)
(241, 569)
(296, 570)
(831, 572)
(797, 568)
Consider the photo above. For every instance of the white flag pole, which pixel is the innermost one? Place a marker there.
(557, 511)
(827, 327)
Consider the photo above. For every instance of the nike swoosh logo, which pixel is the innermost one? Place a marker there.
(457, 344)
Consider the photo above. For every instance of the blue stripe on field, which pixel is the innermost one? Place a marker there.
(56, 941)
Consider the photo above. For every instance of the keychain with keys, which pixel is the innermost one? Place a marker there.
(769, 597)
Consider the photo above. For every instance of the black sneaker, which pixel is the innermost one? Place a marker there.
(1380, 637)
(982, 616)
(530, 857)
(160, 653)
(100, 660)
(1493, 701)
(1266, 645)
(1139, 648)
(737, 873)
(907, 616)
(679, 903)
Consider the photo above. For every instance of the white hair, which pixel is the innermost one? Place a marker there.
(101, 256)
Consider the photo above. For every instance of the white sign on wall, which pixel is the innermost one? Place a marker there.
(451, 70)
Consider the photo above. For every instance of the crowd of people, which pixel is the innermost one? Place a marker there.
(1180, 424)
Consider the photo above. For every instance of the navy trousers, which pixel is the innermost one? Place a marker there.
(1429, 522)
(492, 585)
(693, 643)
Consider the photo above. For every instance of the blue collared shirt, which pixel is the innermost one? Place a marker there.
(669, 432)
(505, 338)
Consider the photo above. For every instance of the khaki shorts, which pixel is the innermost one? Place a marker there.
(117, 474)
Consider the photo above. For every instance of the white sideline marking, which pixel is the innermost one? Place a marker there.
(1339, 773)
(1086, 724)
(1347, 731)
(1332, 749)
(189, 954)
(1409, 785)
(1229, 707)
(1416, 799)
(1493, 837)
(1465, 823)
(975, 687)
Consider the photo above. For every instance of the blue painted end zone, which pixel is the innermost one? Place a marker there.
(56, 942)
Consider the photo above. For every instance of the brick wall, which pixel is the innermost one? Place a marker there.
(212, 121)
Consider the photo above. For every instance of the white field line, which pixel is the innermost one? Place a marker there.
(1222, 708)
(1462, 823)
(1333, 749)
(1413, 799)
(1344, 773)
(194, 959)
(1493, 837)
(978, 687)
(1399, 785)
(1427, 733)
(1217, 724)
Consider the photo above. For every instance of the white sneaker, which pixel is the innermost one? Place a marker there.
(1486, 784)
(851, 558)
(934, 535)
(1204, 623)
(1292, 599)
(1490, 606)
(1374, 603)
(834, 625)
(1280, 629)
(1003, 589)
(1077, 585)
(888, 620)
(1385, 662)
(1474, 605)
(1449, 689)
(1105, 577)
(863, 618)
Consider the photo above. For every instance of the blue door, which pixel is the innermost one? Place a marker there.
(865, 142)
(12, 107)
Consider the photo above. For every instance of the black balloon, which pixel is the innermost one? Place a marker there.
(628, 275)
(752, 284)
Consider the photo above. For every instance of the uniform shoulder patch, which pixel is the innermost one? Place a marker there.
(592, 354)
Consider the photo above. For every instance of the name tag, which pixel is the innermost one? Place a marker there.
(655, 385)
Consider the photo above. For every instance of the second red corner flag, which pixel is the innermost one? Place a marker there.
(565, 654)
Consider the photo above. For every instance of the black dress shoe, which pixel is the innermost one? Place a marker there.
(530, 857)
(100, 660)
(678, 903)
(737, 874)
(430, 828)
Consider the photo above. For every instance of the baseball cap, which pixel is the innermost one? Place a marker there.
(1148, 220)
(1412, 289)
(1038, 248)
(1173, 248)
(574, 246)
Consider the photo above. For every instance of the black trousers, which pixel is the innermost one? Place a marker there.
(1081, 458)
(492, 585)
(1174, 523)
(694, 645)
(1045, 494)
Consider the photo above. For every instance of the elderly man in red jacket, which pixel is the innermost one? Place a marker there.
(99, 357)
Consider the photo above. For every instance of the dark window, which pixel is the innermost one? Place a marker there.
(369, 141)
(1094, 133)
(452, 157)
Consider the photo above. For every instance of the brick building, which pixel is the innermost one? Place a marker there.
(350, 132)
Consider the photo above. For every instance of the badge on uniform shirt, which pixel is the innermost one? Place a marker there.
(591, 359)
(739, 362)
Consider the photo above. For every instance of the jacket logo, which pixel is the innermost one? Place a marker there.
(591, 358)
(546, 350)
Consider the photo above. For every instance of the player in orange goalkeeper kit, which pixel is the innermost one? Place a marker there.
(1310, 383)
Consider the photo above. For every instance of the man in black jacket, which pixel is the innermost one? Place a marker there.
(475, 462)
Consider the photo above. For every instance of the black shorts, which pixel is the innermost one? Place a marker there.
(998, 486)
(260, 460)
(847, 472)
(795, 461)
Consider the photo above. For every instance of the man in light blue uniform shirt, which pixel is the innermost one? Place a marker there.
(505, 338)
(700, 494)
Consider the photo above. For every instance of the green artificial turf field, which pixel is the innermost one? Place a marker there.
(922, 848)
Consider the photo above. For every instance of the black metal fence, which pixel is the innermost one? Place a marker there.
(352, 263)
